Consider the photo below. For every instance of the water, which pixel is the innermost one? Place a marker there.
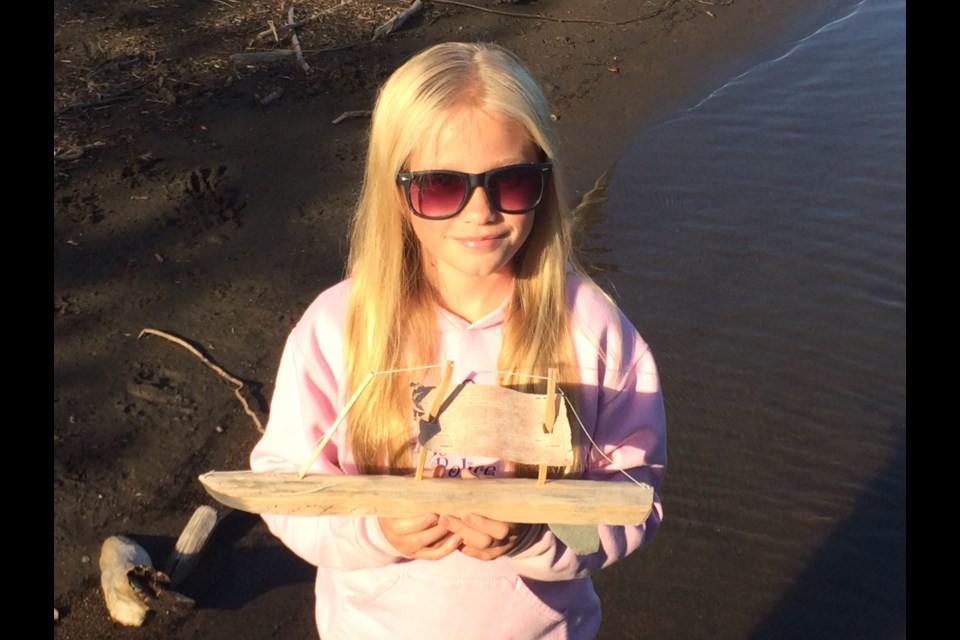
(761, 250)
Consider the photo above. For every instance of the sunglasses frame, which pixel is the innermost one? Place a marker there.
(473, 181)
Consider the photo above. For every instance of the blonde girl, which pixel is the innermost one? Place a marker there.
(460, 250)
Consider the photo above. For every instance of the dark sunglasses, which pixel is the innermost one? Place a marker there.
(436, 195)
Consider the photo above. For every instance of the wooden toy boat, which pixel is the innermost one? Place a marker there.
(483, 420)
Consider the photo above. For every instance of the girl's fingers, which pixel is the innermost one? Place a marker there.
(478, 532)
(409, 526)
(412, 536)
(495, 529)
(445, 547)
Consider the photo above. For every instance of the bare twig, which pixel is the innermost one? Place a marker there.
(538, 16)
(76, 154)
(215, 367)
(293, 25)
(346, 115)
(103, 101)
(255, 57)
(275, 95)
(397, 21)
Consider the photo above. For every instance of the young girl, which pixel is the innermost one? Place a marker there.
(461, 251)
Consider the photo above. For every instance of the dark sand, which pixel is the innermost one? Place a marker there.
(182, 204)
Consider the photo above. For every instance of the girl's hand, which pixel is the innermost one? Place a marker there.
(420, 537)
(484, 538)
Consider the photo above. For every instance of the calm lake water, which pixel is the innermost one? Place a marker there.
(760, 241)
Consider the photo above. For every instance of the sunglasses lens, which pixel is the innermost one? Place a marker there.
(437, 194)
(517, 189)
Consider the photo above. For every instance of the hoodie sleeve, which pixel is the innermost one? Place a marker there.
(624, 414)
(306, 399)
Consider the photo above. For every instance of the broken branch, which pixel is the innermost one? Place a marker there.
(538, 16)
(296, 43)
(274, 30)
(216, 368)
(191, 542)
(346, 115)
(397, 21)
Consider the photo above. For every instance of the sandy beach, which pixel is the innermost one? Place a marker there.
(209, 197)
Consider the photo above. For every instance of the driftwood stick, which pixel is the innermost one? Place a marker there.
(551, 412)
(272, 96)
(216, 368)
(538, 16)
(296, 42)
(362, 113)
(336, 425)
(190, 543)
(104, 101)
(293, 25)
(131, 585)
(507, 499)
(442, 391)
(550, 416)
(421, 463)
(434, 410)
(76, 154)
(397, 21)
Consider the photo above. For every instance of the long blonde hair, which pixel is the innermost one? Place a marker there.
(392, 304)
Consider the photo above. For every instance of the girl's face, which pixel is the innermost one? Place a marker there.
(475, 247)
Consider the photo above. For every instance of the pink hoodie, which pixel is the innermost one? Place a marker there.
(365, 588)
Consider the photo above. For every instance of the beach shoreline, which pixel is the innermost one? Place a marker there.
(210, 200)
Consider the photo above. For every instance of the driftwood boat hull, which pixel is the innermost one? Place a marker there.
(507, 499)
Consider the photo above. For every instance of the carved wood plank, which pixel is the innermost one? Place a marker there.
(506, 499)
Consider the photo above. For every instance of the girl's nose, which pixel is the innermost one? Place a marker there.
(478, 209)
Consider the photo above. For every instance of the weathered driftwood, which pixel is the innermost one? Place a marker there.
(346, 115)
(397, 21)
(190, 544)
(272, 96)
(512, 424)
(295, 40)
(275, 30)
(119, 556)
(336, 424)
(131, 585)
(507, 499)
(439, 394)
